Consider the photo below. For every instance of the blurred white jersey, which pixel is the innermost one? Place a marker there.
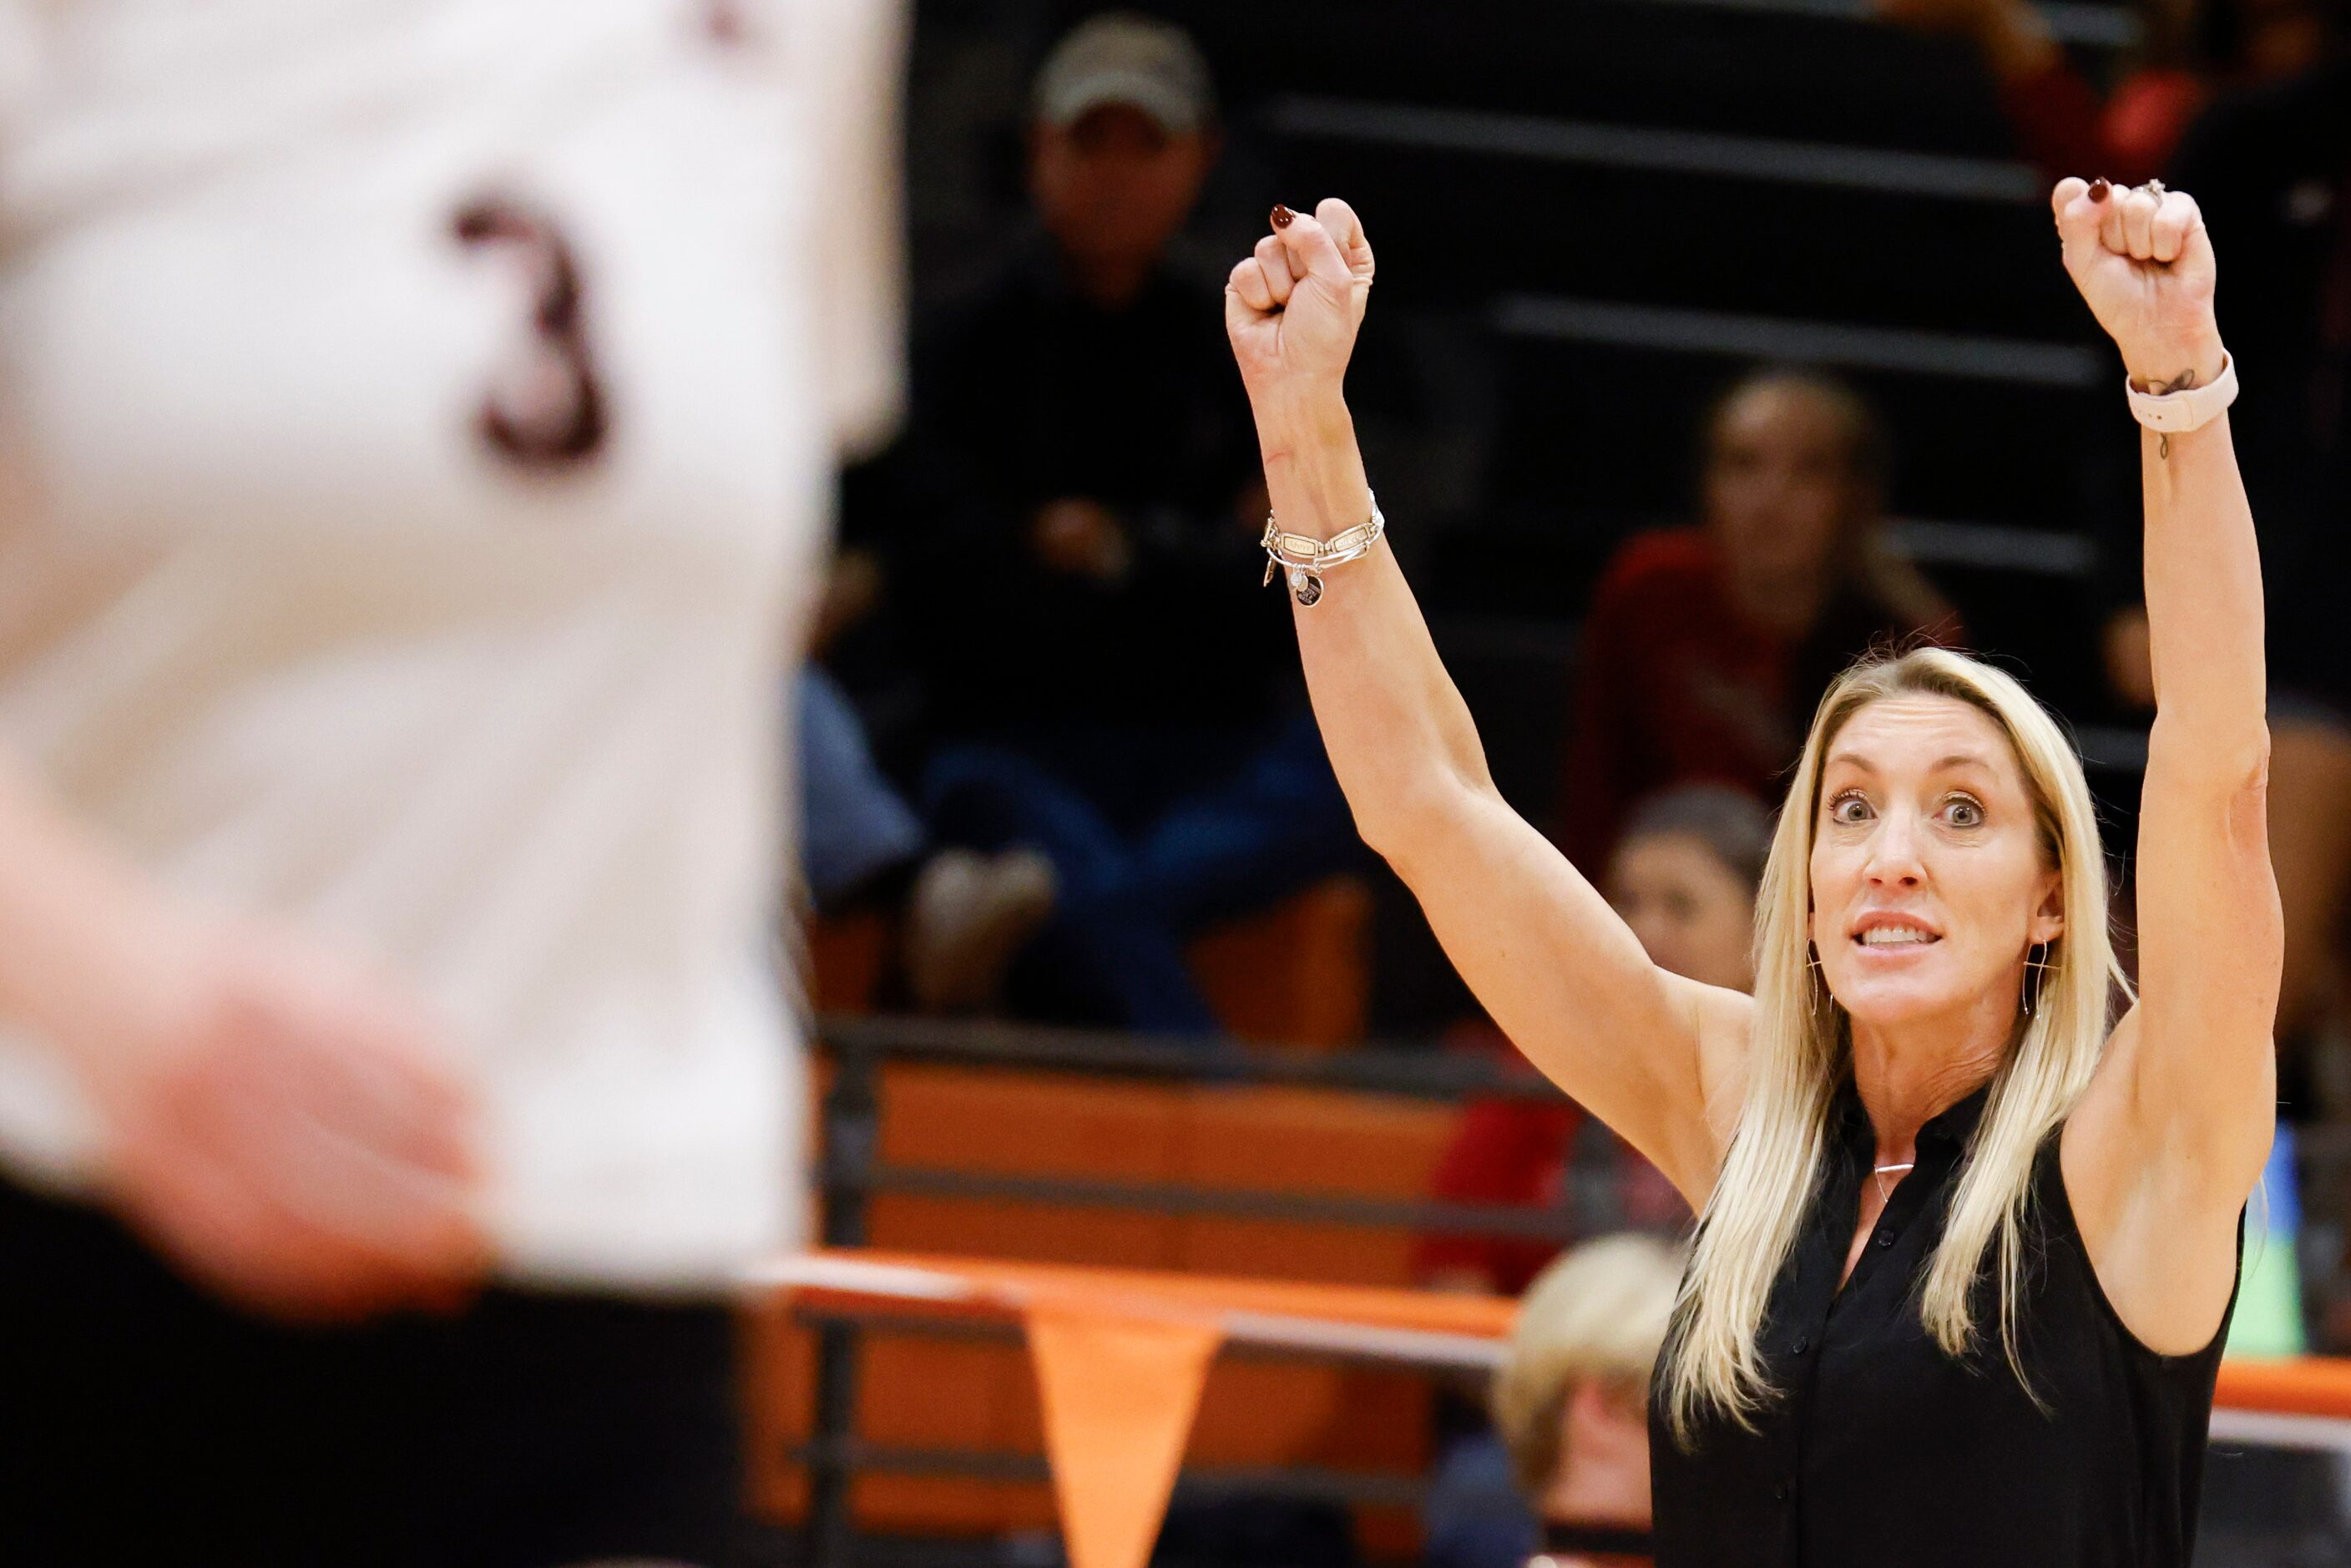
(279, 613)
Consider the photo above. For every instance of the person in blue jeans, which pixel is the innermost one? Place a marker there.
(856, 830)
(965, 914)
(1069, 534)
(1152, 835)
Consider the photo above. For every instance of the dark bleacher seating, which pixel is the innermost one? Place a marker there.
(1752, 70)
(1731, 172)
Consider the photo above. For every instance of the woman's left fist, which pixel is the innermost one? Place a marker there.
(2143, 265)
(1293, 307)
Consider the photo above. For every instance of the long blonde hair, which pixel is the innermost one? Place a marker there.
(1801, 1044)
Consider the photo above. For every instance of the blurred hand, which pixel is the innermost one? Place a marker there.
(851, 590)
(2130, 658)
(1251, 505)
(1082, 538)
(1292, 309)
(2145, 265)
(1458, 1279)
(281, 1125)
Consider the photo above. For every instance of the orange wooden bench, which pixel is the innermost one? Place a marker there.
(1317, 995)
(927, 1392)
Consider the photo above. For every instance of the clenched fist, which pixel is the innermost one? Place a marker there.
(2143, 264)
(1292, 307)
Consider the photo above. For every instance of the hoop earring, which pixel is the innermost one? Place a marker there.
(2037, 970)
(1817, 986)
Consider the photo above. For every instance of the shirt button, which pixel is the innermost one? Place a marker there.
(1886, 1238)
(1780, 1491)
(1804, 1343)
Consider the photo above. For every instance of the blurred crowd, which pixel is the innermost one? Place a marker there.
(1047, 601)
(1095, 724)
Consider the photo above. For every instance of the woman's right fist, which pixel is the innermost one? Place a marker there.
(1292, 307)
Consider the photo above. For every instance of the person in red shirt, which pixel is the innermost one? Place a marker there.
(1707, 647)
(2188, 49)
(1685, 880)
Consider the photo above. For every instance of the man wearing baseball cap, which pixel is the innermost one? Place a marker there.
(1123, 133)
(1075, 557)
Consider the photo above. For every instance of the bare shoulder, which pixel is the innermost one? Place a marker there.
(2160, 1224)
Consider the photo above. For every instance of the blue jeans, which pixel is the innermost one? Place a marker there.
(1151, 836)
(853, 826)
(1472, 1515)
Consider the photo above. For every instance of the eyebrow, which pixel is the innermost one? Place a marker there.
(1942, 764)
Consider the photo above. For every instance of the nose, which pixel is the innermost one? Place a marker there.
(1894, 852)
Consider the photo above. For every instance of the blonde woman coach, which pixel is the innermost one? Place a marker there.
(1966, 1252)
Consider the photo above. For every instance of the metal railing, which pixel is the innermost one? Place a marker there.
(851, 1172)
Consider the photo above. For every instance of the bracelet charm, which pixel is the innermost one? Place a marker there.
(1304, 559)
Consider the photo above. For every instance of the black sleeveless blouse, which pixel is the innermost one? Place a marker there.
(1880, 1449)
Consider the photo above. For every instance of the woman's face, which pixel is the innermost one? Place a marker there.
(1604, 1456)
(1927, 878)
(1779, 486)
(1694, 915)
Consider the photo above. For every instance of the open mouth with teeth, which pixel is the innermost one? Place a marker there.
(1895, 935)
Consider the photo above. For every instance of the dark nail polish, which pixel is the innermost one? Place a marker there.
(2098, 189)
(1282, 216)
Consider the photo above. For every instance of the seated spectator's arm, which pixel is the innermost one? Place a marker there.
(1500, 1154)
(1649, 1053)
(942, 506)
(1598, 780)
(2055, 112)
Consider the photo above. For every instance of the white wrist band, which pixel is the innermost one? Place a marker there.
(2176, 412)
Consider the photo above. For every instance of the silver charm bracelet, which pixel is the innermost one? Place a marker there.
(1305, 558)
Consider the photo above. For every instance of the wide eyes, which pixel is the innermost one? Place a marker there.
(1853, 808)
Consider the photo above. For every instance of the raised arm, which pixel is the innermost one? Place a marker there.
(2174, 1130)
(1647, 1051)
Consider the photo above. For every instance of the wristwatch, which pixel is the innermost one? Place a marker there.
(2188, 408)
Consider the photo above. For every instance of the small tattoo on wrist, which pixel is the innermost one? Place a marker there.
(2184, 381)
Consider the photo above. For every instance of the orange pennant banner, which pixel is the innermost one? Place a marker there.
(1119, 1395)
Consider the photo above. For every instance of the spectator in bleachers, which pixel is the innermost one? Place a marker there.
(1707, 647)
(2186, 49)
(1570, 1406)
(1076, 558)
(1684, 879)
